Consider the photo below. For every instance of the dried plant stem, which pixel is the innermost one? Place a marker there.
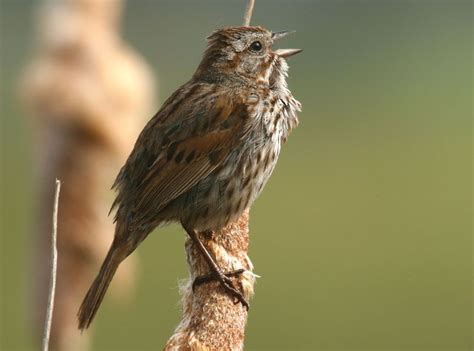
(248, 12)
(211, 320)
(54, 267)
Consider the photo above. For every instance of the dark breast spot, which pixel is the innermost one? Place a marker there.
(247, 199)
(246, 181)
(277, 118)
(274, 155)
(267, 160)
(259, 157)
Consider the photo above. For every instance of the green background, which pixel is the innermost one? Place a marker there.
(363, 236)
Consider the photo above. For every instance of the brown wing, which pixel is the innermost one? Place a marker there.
(185, 142)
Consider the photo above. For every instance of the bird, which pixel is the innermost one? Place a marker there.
(207, 154)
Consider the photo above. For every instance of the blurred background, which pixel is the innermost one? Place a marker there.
(363, 236)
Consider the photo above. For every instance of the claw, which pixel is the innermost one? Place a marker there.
(227, 284)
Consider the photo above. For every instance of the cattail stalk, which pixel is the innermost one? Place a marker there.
(211, 320)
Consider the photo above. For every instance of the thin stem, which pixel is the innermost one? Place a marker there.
(248, 12)
(54, 266)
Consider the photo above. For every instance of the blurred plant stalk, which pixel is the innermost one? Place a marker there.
(88, 95)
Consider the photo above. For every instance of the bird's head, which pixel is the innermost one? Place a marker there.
(245, 52)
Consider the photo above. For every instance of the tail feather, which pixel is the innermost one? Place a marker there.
(96, 293)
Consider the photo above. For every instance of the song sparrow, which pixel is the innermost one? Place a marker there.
(207, 154)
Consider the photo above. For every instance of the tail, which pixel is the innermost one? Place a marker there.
(96, 293)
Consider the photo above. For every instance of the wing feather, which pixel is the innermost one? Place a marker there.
(175, 152)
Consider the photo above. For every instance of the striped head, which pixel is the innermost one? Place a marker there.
(244, 52)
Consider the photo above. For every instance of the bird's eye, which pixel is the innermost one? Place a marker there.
(256, 46)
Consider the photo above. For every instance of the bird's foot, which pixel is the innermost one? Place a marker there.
(226, 282)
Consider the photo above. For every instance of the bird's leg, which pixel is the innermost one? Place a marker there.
(206, 278)
(216, 273)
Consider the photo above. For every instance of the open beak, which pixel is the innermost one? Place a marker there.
(287, 52)
(284, 52)
(281, 34)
